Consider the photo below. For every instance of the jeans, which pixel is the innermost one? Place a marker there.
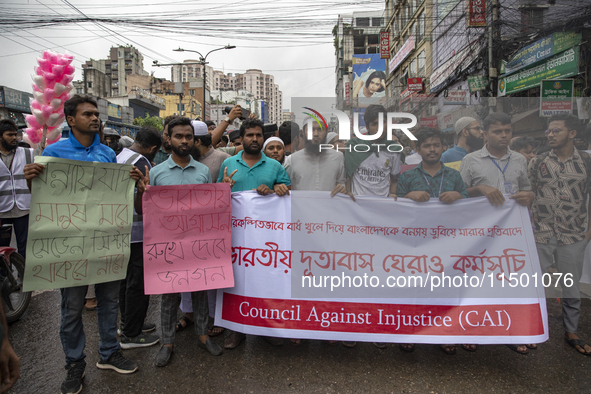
(133, 303)
(72, 330)
(569, 260)
(21, 229)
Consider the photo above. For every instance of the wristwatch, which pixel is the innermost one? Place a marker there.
(227, 119)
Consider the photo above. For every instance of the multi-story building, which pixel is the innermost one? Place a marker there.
(263, 88)
(224, 81)
(251, 86)
(531, 37)
(95, 79)
(191, 71)
(410, 24)
(189, 105)
(288, 116)
(355, 34)
(122, 61)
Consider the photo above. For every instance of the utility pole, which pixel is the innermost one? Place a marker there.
(493, 35)
(203, 62)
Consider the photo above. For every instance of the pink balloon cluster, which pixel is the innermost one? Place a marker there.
(52, 84)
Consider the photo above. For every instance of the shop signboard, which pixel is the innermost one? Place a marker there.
(556, 97)
(565, 64)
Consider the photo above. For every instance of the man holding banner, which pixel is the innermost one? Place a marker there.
(252, 170)
(373, 172)
(182, 169)
(314, 169)
(560, 180)
(496, 170)
(420, 184)
(84, 144)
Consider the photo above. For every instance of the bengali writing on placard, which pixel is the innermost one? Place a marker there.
(79, 224)
(187, 238)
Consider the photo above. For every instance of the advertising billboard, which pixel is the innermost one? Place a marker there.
(369, 79)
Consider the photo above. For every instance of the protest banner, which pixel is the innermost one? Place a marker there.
(187, 238)
(79, 224)
(407, 272)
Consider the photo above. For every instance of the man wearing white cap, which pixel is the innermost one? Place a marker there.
(469, 139)
(275, 149)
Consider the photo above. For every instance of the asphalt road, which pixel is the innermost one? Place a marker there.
(313, 367)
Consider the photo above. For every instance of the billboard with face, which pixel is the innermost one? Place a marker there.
(369, 79)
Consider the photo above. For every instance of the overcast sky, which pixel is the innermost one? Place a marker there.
(291, 40)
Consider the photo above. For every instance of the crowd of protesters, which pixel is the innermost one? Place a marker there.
(551, 180)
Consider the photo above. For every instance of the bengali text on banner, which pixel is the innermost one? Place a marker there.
(314, 267)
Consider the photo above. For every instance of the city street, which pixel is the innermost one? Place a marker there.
(313, 367)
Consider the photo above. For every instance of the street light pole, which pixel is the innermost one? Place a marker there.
(203, 62)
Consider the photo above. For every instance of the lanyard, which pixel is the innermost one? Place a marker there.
(504, 169)
(440, 184)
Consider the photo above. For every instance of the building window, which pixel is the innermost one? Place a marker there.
(407, 14)
(377, 22)
(531, 19)
(421, 64)
(191, 92)
(90, 84)
(362, 22)
(420, 31)
(412, 69)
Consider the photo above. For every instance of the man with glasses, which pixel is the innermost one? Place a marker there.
(560, 181)
(469, 139)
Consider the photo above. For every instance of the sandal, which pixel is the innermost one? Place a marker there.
(515, 348)
(407, 347)
(296, 342)
(448, 349)
(469, 348)
(183, 323)
(578, 342)
(215, 331)
(532, 346)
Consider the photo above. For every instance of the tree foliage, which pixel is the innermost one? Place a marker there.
(150, 121)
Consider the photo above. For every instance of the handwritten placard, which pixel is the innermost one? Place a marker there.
(187, 238)
(79, 224)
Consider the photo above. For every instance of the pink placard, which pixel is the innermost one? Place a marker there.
(187, 238)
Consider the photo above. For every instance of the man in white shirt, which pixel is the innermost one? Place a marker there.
(316, 167)
(373, 172)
